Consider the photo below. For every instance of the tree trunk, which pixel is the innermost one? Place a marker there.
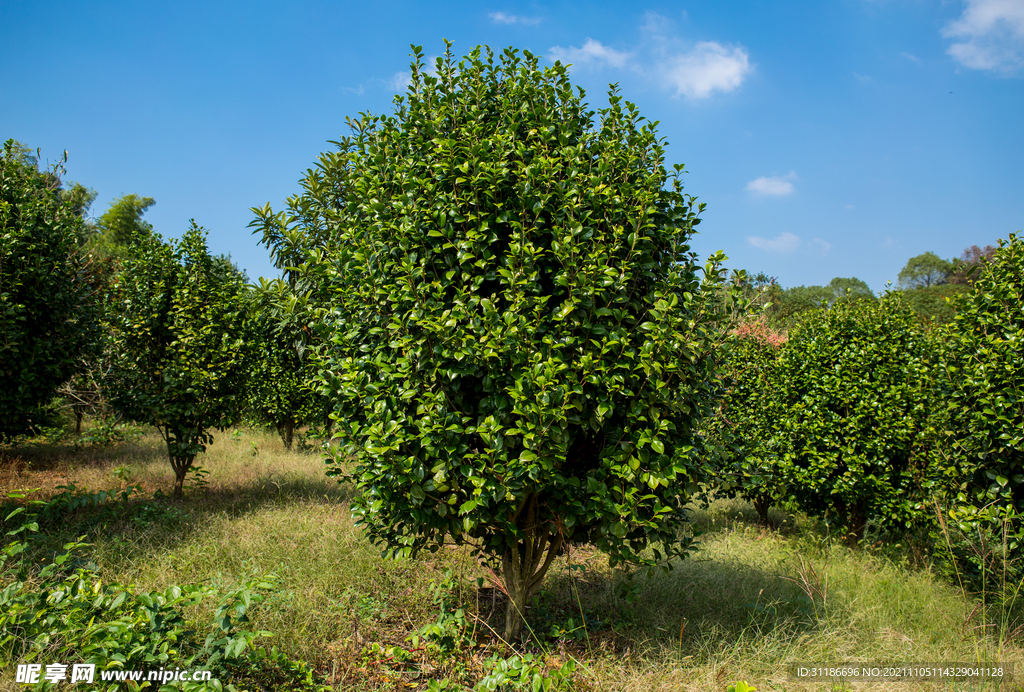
(180, 464)
(524, 565)
(286, 429)
(763, 503)
(856, 522)
(179, 481)
(78, 421)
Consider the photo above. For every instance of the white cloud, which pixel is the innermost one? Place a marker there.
(355, 91)
(592, 53)
(709, 67)
(863, 78)
(399, 81)
(825, 247)
(693, 70)
(990, 36)
(851, 206)
(502, 18)
(911, 57)
(776, 185)
(785, 242)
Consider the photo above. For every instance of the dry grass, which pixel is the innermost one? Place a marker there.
(750, 603)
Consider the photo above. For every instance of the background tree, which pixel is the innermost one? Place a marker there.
(280, 388)
(80, 199)
(798, 299)
(282, 391)
(934, 304)
(121, 225)
(48, 312)
(851, 289)
(759, 291)
(177, 332)
(925, 270)
(747, 418)
(854, 392)
(967, 268)
(518, 341)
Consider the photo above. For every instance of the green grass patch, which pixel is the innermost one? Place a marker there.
(750, 603)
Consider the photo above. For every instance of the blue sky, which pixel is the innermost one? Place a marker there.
(827, 138)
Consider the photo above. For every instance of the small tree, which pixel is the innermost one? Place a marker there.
(176, 326)
(280, 389)
(48, 309)
(747, 418)
(518, 341)
(853, 386)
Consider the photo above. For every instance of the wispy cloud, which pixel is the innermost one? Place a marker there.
(592, 53)
(399, 81)
(502, 18)
(825, 246)
(911, 57)
(863, 78)
(784, 242)
(778, 185)
(989, 35)
(355, 91)
(695, 70)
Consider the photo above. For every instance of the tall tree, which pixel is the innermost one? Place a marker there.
(519, 341)
(48, 314)
(925, 270)
(177, 327)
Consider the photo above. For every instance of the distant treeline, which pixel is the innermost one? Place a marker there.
(927, 283)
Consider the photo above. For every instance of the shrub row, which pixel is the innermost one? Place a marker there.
(861, 415)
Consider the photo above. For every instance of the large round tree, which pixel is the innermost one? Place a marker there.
(518, 339)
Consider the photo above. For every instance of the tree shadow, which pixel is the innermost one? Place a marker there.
(142, 522)
(700, 607)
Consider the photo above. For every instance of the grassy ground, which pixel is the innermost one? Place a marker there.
(750, 604)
